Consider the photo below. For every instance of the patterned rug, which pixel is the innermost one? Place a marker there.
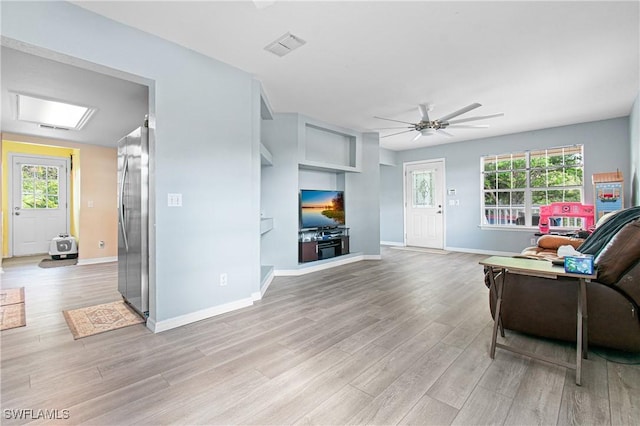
(52, 263)
(9, 296)
(12, 312)
(98, 319)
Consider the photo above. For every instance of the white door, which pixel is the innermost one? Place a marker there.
(424, 198)
(38, 203)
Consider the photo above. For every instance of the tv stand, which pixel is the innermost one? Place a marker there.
(322, 243)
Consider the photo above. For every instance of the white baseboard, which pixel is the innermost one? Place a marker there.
(95, 260)
(267, 282)
(477, 251)
(391, 243)
(339, 261)
(372, 257)
(170, 323)
(151, 324)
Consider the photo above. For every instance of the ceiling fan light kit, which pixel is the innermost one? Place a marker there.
(428, 127)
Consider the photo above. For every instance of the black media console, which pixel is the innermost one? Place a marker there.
(322, 243)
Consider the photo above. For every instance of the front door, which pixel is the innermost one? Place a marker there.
(424, 198)
(38, 203)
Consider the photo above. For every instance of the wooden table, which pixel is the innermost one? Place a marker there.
(543, 269)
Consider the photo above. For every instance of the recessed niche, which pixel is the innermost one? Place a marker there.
(329, 147)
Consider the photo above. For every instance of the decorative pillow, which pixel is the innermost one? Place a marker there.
(620, 254)
(605, 217)
(552, 242)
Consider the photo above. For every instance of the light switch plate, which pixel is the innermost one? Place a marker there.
(174, 200)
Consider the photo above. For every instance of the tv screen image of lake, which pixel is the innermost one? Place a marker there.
(321, 208)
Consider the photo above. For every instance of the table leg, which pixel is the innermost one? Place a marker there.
(585, 320)
(579, 337)
(497, 320)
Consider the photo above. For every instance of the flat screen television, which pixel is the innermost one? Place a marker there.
(321, 209)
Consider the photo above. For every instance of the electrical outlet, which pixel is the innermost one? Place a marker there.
(533, 241)
(223, 279)
(101, 244)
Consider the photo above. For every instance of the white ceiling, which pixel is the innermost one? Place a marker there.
(120, 104)
(543, 64)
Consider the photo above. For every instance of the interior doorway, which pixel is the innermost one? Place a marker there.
(424, 203)
(39, 208)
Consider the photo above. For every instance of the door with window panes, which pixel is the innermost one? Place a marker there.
(424, 219)
(38, 203)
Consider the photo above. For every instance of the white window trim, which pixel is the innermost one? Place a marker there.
(528, 227)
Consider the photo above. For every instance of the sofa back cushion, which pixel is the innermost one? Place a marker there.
(620, 254)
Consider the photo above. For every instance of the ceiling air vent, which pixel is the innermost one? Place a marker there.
(285, 44)
(47, 126)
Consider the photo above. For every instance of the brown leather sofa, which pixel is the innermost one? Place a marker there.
(547, 307)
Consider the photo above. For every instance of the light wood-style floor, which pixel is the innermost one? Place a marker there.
(403, 341)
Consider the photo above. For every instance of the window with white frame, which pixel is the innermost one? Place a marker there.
(515, 185)
(40, 187)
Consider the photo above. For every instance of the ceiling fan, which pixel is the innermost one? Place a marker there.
(427, 127)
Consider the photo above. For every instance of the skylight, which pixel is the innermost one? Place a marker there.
(51, 113)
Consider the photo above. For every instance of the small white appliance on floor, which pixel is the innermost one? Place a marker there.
(63, 246)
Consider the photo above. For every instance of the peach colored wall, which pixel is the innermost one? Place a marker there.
(99, 183)
(98, 186)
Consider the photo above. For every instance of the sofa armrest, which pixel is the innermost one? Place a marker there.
(620, 254)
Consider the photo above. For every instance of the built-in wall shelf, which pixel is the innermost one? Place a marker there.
(325, 147)
(266, 159)
(324, 167)
(266, 224)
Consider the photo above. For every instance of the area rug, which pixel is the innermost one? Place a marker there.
(98, 319)
(12, 316)
(421, 250)
(10, 296)
(12, 312)
(51, 263)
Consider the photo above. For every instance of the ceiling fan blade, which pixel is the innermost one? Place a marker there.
(447, 134)
(479, 117)
(398, 133)
(398, 121)
(468, 126)
(460, 111)
(389, 128)
(424, 112)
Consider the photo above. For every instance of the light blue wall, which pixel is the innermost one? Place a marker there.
(634, 140)
(391, 209)
(280, 191)
(362, 200)
(388, 157)
(283, 136)
(606, 145)
(205, 149)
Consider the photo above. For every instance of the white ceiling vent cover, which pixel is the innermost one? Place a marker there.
(285, 44)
